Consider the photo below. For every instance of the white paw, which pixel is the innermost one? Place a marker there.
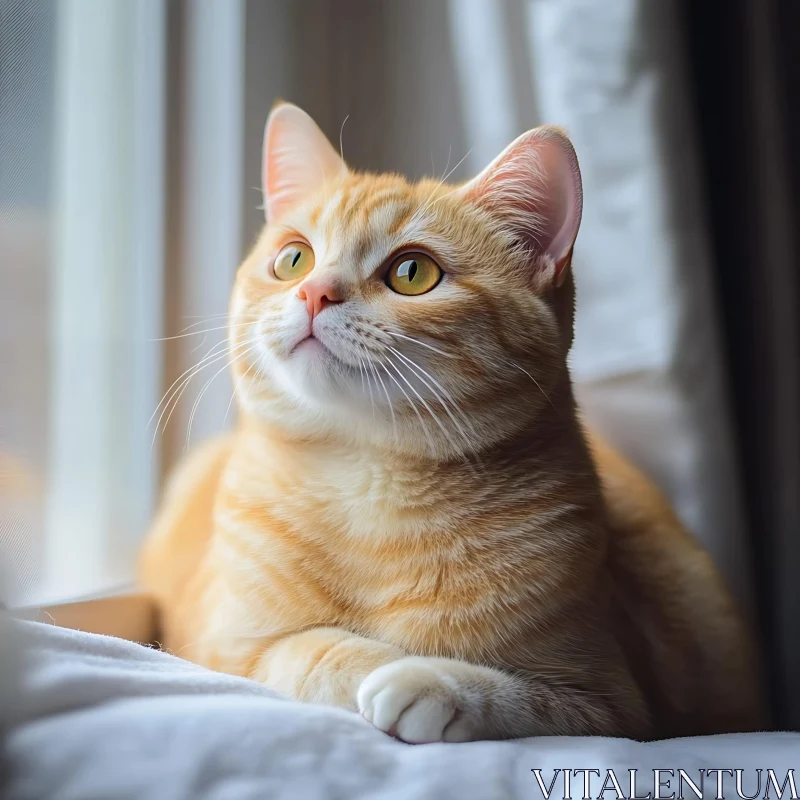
(418, 700)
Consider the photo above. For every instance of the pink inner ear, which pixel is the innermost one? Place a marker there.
(534, 186)
(297, 159)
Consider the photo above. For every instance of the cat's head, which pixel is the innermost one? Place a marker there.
(424, 317)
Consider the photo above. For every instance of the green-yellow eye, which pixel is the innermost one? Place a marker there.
(294, 261)
(413, 273)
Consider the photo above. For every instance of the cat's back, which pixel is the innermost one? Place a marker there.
(686, 640)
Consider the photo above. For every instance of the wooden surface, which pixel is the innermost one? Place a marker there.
(130, 616)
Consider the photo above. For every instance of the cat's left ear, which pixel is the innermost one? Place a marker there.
(534, 190)
(297, 159)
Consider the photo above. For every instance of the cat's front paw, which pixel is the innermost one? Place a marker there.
(420, 700)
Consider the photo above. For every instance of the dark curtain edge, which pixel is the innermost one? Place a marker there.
(743, 78)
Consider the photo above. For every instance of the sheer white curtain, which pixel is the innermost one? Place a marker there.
(120, 218)
(26, 68)
(105, 289)
(81, 201)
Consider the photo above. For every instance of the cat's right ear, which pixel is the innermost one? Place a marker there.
(296, 159)
(533, 188)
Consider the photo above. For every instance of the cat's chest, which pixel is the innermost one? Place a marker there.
(394, 559)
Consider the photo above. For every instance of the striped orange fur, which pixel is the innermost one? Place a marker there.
(409, 520)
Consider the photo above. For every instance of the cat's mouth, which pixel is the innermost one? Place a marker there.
(310, 344)
(313, 351)
(312, 347)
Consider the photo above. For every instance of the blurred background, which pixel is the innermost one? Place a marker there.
(130, 149)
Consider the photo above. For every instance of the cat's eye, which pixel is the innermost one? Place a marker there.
(294, 261)
(413, 273)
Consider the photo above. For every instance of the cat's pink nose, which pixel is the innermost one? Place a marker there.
(317, 294)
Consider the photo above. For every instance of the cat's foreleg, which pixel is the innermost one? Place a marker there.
(423, 699)
(322, 665)
(427, 699)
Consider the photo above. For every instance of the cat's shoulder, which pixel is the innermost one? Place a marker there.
(200, 467)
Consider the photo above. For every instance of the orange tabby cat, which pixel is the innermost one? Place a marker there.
(407, 521)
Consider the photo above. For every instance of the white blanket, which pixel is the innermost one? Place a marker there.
(105, 718)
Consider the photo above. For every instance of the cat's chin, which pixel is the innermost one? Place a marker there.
(311, 358)
(313, 372)
(311, 347)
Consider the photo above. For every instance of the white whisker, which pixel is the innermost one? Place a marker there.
(341, 135)
(197, 333)
(233, 393)
(417, 341)
(205, 388)
(430, 202)
(197, 347)
(389, 401)
(361, 372)
(367, 363)
(424, 402)
(374, 371)
(522, 369)
(181, 389)
(416, 411)
(167, 394)
(420, 372)
(430, 411)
